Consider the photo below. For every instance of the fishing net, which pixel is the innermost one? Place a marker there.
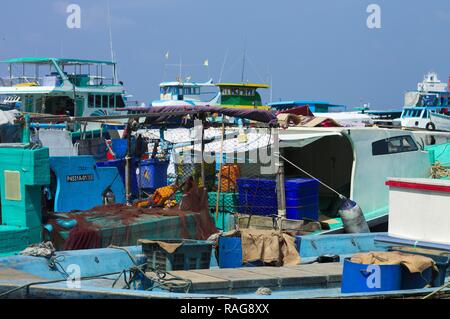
(124, 225)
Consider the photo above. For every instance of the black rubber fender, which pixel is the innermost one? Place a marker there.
(430, 126)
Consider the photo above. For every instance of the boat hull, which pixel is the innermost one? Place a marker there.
(441, 121)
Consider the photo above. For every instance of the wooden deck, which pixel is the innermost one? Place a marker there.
(238, 280)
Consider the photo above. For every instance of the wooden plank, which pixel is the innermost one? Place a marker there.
(240, 278)
(291, 276)
(201, 281)
(333, 271)
(266, 222)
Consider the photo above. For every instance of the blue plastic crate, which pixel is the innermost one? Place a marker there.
(304, 185)
(193, 254)
(302, 212)
(360, 278)
(302, 198)
(257, 196)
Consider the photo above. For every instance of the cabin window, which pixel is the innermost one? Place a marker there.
(120, 103)
(112, 101)
(393, 145)
(225, 91)
(105, 101)
(98, 101)
(91, 101)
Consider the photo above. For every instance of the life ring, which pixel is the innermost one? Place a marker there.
(430, 126)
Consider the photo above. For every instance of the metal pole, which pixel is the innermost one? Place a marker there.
(128, 167)
(219, 182)
(279, 165)
(281, 190)
(203, 154)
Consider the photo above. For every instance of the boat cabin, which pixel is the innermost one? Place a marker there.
(183, 90)
(62, 86)
(241, 95)
(180, 93)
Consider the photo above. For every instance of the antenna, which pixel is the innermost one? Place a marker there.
(111, 39)
(271, 88)
(181, 69)
(223, 64)
(243, 59)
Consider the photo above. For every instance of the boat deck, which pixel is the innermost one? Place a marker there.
(239, 280)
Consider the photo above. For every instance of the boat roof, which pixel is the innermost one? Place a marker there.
(294, 103)
(188, 84)
(425, 107)
(45, 60)
(304, 102)
(248, 85)
(382, 112)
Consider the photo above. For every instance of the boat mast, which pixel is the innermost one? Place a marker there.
(111, 47)
(243, 60)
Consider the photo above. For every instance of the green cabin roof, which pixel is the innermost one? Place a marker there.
(41, 60)
(246, 85)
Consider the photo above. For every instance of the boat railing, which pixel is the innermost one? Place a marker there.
(21, 81)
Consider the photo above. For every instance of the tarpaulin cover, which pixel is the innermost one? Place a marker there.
(268, 246)
(414, 263)
(263, 116)
(299, 110)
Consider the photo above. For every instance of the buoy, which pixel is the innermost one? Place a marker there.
(67, 223)
(352, 217)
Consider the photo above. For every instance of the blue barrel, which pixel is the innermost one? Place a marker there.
(257, 196)
(153, 174)
(230, 252)
(370, 278)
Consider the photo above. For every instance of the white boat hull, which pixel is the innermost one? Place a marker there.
(440, 121)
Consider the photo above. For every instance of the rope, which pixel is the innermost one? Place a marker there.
(437, 290)
(160, 279)
(305, 172)
(27, 286)
(439, 171)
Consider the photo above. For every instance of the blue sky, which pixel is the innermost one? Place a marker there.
(313, 49)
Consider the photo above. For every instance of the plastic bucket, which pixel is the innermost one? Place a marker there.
(370, 278)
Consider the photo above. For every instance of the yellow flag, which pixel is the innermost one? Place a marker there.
(206, 63)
